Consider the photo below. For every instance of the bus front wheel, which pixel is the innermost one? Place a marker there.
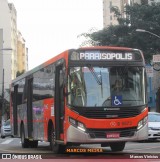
(33, 144)
(55, 147)
(118, 146)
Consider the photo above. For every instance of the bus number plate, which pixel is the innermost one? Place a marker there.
(113, 135)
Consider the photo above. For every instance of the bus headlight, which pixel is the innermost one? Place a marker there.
(72, 121)
(81, 126)
(77, 124)
(142, 123)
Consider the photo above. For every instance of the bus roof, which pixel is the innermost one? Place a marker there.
(107, 47)
(45, 64)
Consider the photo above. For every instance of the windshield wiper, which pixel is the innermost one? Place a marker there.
(98, 80)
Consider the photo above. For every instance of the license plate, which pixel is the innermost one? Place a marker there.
(113, 135)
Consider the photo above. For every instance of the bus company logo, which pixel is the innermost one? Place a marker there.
(113, 124)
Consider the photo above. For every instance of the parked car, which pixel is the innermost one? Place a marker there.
(153, 125)
(6, 129)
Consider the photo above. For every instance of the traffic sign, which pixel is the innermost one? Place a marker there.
(156, 58)
(149, 71)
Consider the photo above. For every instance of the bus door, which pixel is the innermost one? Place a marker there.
(29, 107)
(15, 120)
(59, 101)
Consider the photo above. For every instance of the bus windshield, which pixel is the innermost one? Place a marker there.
(106, 86)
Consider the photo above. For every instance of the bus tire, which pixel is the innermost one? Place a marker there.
(33, 144)
(104, 144)
(55, 147)
(24, 141)
(117, 146)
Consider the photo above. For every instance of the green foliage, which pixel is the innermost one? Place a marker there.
(137, 17)
(20, 73)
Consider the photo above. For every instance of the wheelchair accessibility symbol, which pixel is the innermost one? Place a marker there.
(116, 100)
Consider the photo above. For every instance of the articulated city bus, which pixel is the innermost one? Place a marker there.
(90, 95)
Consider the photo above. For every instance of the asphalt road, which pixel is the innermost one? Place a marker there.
(133, 150)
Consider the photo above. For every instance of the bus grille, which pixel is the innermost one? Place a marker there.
(101, 133)
(101, 114)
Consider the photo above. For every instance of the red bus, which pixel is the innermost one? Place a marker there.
(90, 95)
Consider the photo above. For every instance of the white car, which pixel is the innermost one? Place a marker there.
(6, 129)
(153, 125)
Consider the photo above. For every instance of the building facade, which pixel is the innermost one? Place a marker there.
(153, 1)
(10, 57)
(9, 42)
(108, 15)
(13, 21)
(136, 1)
(22, 54)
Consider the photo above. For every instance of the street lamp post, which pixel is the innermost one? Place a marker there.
(2, 93)
(150, 81)
(145, 31)
(155, 64)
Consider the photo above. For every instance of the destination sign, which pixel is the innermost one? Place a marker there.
(106, 55)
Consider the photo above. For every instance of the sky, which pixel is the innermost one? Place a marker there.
(50, 27)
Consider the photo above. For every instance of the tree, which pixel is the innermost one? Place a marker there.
(145, 17)
(20, 73)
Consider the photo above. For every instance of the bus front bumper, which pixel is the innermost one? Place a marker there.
(74, 135)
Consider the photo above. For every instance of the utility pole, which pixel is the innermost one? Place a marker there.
(2, 96)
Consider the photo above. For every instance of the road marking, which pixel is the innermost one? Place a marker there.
(7, 141)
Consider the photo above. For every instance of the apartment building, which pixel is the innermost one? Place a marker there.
(22, 54)
(108, 15)
(13, 21)
(9, 43)
(153, 1)
(136, 1)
